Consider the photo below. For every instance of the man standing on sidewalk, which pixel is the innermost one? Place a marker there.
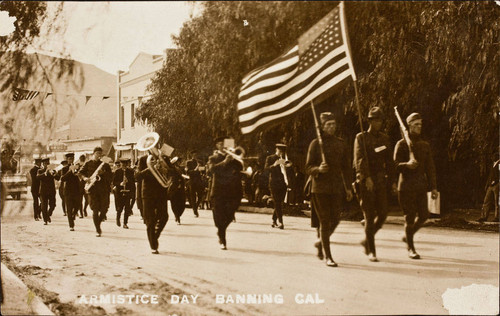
(416, 176)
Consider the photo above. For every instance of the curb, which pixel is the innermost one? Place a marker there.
(12, 284)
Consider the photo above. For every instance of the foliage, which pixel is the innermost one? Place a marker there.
(437, 58)
(18, 68)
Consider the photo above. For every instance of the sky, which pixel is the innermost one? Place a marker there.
(110, 35)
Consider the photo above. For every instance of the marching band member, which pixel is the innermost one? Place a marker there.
(97, 193)
(226, 191)
(64, 163)
(194, 184)
(154, 203)
(71, 190)
(82, 194)
(176, 190)
(123, 189)
(276, 165)
(47, 190)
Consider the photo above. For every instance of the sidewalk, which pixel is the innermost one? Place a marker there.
(17, 298)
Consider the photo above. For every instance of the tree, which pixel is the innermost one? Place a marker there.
(18, 68)
(436, 58)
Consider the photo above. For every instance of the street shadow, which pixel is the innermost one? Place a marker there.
(437, 243)
(272, 252)
(203, 258)
(419, 267)
(402, 246)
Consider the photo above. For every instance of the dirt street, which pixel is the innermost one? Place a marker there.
(78, 273)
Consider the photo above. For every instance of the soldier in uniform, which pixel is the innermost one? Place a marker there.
(123, 188)
(99, 192)
(35, 189)
(64, 163)
(276, 165)
(226, 190)
(154, 203)
(374, 169)
(71, 192)
(416, 176)
(47, 190)
(329, 180)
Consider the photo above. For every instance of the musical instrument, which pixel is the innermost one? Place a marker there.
(124, 183)
(155, 162)
(237, 153)
(94, 178)
(406, 135)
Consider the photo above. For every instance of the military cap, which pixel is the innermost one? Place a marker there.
(70, 155)
(37, 160)
(97, 149)
(326, 116)
(125, 160)
(413, 117)
(281, 146)
(64, 162)
(46, 159)
(375, 113)
(219, 139)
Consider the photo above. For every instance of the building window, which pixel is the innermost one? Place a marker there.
(122, 117)
(132, 115)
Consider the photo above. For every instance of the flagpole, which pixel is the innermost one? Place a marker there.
(318, 132)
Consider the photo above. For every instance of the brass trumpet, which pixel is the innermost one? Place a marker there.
(155, 162)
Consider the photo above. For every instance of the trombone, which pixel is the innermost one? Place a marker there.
(238, 154)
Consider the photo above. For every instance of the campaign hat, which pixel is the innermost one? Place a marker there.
(413, 117)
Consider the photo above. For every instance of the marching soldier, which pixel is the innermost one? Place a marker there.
(226, 190)
(277, 165)
(71, 189)
(35, 189)
(329, 180)
(416, 176)
(99, 173)
(124, 189)
(47, 190)
(374, 169)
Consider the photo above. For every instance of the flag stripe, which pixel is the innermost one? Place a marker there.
(290, 54)
(318, 82)
(320, 61)
(280, 116)
(280, 90)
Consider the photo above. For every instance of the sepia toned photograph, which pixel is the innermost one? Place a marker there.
(249, 157)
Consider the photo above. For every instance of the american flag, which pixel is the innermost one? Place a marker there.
(320, 60)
